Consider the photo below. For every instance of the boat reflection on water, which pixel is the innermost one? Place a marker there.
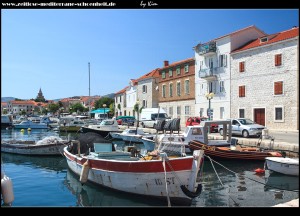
(277, 181)
(92, 195)
(52, 163)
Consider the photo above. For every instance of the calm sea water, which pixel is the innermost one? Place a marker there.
(47, 182)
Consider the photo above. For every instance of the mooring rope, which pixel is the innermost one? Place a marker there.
(164, 165)
(246, 176)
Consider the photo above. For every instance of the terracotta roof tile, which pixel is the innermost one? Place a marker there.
(153, 73)
(121, 91)
(273, 38)
(178, 63)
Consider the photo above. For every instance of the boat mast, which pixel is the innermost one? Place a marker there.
(89, 93)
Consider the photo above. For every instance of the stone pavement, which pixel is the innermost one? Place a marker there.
(292, 203)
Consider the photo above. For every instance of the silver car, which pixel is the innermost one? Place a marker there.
(244, 127)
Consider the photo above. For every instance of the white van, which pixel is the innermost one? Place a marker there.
(149, 116)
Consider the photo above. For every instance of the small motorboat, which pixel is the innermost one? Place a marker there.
(283, 165)
(233, 152)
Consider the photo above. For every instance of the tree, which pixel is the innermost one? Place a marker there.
(77, 107)
(53, 108)
(104, 100)
(138, 110)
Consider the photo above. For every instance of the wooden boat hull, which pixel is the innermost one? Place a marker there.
(227, 153)
(32, 149)
(143, 177)
(287, 166)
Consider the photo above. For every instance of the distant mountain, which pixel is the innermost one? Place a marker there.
(111, 95)
(6, 99)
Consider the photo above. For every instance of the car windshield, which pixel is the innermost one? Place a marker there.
(161, 116)
(246, 121)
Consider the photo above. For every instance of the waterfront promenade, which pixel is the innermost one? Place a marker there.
(287, 141)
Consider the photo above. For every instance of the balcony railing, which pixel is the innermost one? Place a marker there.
(209, 72)
(207, 48)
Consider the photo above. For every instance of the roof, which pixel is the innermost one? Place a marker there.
(153, 73)
(235, 32)
(178, 63)
(273, 38)
(121, 91)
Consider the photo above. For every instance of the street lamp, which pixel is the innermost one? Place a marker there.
(209, 96)
(104, 105)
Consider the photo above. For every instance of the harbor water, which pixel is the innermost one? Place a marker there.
(40, 181)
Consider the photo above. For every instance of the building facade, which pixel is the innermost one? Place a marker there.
(177, 89)
(213, 72)
(120, 102)
(265, 80)
(147, 93)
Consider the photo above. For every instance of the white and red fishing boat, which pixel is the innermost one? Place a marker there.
(155, 175)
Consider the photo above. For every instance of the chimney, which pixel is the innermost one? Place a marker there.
(166, 63)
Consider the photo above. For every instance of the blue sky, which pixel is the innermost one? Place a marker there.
(50, 48)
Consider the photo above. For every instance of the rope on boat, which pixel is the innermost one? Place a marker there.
(183, 187)
(168, 197)
(246, 176)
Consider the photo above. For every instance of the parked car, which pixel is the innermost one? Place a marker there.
(125, 120)
(244, 127)
(196, 121)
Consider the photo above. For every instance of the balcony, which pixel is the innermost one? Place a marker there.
(207, 49)
(209, 73)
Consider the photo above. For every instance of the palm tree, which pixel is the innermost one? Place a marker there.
(138, 110)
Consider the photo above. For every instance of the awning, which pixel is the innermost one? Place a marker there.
(100, 110)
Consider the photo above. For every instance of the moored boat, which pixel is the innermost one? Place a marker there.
(104, 128)
(237, 152)
(283, 165)
(152, 175)
(48, 146)
(29, 124)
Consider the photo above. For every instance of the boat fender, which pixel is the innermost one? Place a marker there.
(259, 171)
(7, 190)
(84, 172)
(190, 193)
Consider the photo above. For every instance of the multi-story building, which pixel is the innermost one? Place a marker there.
(131, 97)
(120, 102)
(147, 93)
(213, 72)
(265, 80)
(177, 89)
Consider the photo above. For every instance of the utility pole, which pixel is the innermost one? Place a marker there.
(89, 93)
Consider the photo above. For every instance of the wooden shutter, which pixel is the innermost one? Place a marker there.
(278, 88)
(241, 91)
(242, 66)
(278, 59)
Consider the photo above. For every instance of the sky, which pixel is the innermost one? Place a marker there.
(52, 48)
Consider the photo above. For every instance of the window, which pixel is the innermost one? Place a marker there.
(187, 110)
(144, 103)
(242, 66)
(163, 74)
(222, 112)
(164, 91)
(178, 110)
(223, 60)
(170, 72)
(178, 70)
(201, 112)
(241, 113)
(264, 39)
(242, 91)
(201, 65)
(178, 89)
(210, 87)
(222, 89)
(171, 89)
(187, 87)
(279, 114)
(120, 99)
(278, 88)
(144, 89)
(186, 68)
(170, 111)
(278, 59)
